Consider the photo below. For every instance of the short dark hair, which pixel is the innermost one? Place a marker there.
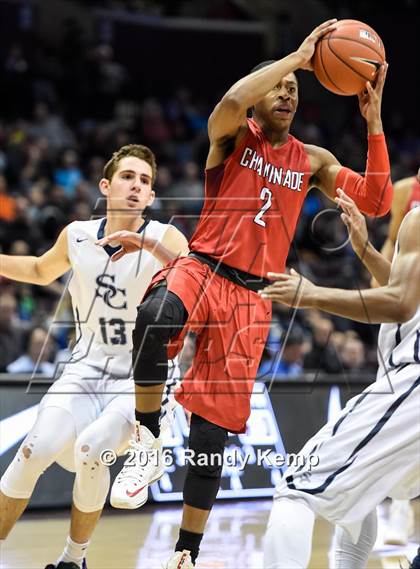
(263, 64)
(29, 333)
(296, 336)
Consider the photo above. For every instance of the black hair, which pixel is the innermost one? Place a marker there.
(263, 64)
(296, 336)
(26, 339)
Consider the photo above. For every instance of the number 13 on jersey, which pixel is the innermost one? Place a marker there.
(265, 196)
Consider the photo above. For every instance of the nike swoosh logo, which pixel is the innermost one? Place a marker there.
(132, 494)
(78, 240)
(376, 64)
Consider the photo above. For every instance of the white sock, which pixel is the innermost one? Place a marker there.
(288, 540)
(74, 552)
(349, 555)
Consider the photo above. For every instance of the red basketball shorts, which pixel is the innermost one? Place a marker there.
(231, 324)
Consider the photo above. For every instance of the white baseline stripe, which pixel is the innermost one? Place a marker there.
(16, 427)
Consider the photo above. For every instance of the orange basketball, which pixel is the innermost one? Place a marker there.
(347, 57)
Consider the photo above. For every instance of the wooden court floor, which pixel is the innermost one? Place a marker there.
(144, 539)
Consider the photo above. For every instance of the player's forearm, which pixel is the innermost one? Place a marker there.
(21, 268)
(253, 87)
(377, 265)
(162, 253)
(388, 249)
(372, 192)
(373, 306)
(374, 126)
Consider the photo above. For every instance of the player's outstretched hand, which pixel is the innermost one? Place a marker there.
(370, 99)
(307, 48)
(292, 290)
(129, 241)
(354, 221)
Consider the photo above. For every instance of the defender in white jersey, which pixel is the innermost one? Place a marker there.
(89, 409)
(400, 524)
(373, 449)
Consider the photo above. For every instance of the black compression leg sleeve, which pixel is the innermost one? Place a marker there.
(207, 442)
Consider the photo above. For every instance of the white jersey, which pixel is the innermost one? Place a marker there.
(105, 295)
(399, 344)
(370, 451)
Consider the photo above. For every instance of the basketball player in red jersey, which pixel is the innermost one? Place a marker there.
(257, 177)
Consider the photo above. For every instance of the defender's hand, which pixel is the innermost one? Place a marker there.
(370, 100)
(292, 290)
(129, 241)
(354, 221)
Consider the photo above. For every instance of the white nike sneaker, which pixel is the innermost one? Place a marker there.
(142, 467)
(167, 417)
(180, 560)
(400, 524)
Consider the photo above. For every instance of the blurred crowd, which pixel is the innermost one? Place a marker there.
(56, 133)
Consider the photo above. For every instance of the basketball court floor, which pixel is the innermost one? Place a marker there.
(143, 539)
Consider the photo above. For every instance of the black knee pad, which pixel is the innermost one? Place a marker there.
(159, 318)
(207, 444)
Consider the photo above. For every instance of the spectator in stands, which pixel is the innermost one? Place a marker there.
(287, 362)
(35, 359)
(10, 335)
(111, 76)
(68, 175)
(353, 353)
(52, 127)
(37, 199)
(323, 356)
(155, 126)
(189, 189)
(22, 225)
(7, 202)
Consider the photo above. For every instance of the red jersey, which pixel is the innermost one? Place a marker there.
(252, 204)
(414, 200)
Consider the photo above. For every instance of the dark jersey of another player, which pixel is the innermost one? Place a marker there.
(252, 204)
(414, 200)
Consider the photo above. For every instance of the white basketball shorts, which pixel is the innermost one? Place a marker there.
(370, 452)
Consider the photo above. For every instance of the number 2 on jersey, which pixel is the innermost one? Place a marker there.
(264, 195)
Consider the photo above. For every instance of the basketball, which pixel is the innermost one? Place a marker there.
(347, 57)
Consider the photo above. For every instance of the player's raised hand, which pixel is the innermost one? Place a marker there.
(307, 48)
(370, 100)
(130, 242)
(292, 290)
(354, 221)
